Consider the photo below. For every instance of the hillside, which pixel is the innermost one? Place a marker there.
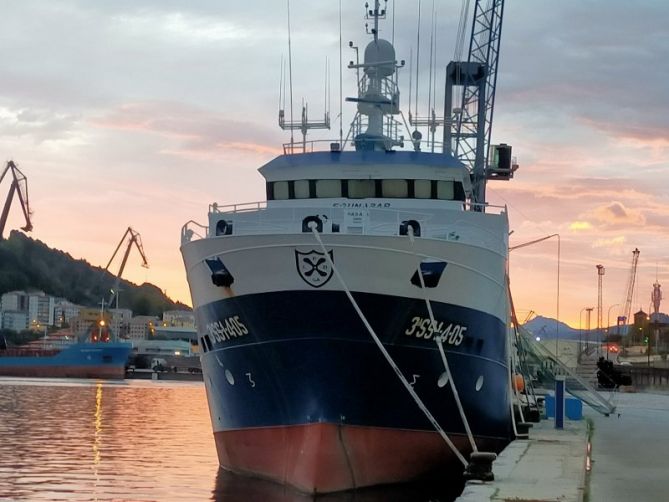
(28, 264)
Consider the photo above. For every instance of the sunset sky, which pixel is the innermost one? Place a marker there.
(142, 112)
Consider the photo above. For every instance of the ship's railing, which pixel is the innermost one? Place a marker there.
(193, 230)
(451, 224)
(237, 208)
(335, 145)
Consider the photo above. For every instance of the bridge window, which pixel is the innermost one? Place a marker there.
(361, 189)
(396, 189)
(422, 189)
(445, 190)
(365, 189)
(328, 189)
(302, 189)
(281, 190)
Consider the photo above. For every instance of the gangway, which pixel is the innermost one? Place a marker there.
(543, 367)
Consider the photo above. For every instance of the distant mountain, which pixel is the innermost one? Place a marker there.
(545, 327)
(28, 264)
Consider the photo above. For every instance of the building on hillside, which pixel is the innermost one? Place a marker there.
(14, 320)
(120, 322)
(40, 310)
(87, 319)
(142, 327)
(64, 311)
(179, 319)
(14, 301)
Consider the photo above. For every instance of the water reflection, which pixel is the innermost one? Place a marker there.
(234, 488)
(135, 440)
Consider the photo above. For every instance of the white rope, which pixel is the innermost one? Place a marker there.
(433, 323)
(383, 350)
(513, 415)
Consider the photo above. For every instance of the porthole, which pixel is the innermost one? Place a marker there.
(230, 378)
(479, 383)
(443, 380)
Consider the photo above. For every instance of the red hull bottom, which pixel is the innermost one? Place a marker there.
(64, 372)
(322, 458)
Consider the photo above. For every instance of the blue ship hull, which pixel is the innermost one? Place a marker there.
(79, 360)
(308, 358)
(283, 367)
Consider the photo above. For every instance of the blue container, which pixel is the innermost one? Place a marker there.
(573, 407)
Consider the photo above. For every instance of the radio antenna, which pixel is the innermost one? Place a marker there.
(417, 56)
(290, 74)
(341, 91)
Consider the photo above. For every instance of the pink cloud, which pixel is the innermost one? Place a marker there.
(201, 133)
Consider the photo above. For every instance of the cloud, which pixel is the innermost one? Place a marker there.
(580, 225)
(200, 133)
(614, 242)
(616, 214)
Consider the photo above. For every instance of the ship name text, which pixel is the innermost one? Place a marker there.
(450, 333)
(227, 329)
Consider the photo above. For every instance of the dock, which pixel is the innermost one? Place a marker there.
(618, 458)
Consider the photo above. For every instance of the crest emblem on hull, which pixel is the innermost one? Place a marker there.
(313, 267)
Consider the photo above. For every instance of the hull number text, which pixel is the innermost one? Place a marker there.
(226, 329)
(451, 333)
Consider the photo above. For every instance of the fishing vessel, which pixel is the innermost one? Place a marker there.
(353, 326)
(78, 360)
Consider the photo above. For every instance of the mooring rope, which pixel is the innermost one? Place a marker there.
(433, 323)
(389, 359)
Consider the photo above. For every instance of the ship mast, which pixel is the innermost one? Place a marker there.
(374, 128)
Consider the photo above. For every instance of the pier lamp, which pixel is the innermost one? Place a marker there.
(608, 325)
(580, 330)
(557, 308)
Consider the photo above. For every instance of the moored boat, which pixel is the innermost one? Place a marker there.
(353, 326)
(76, 360)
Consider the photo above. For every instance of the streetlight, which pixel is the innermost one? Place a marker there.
(557, 308)
(608, 325)
(580, 331)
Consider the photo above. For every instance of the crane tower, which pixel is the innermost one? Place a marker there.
(19, 187)
(627, 309)
(469, 126)
(133, 238)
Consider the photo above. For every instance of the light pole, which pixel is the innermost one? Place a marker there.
(608, 326)
(557, 301)
(580, 331)
(587, 323)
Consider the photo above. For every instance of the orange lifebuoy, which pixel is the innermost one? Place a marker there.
(519, 382)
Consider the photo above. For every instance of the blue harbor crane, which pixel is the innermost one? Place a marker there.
(469, 125)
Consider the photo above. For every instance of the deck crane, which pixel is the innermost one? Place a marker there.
(19, 187)
(133, 238)
(468, 126)
(627, 309)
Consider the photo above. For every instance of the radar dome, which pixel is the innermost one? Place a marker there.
(380, 51)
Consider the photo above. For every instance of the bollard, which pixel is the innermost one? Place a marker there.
(559, 402)
(480, 466)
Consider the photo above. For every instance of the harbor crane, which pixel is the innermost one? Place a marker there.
(627, 309)
(133, 238)
(19, 187)
(469, 125)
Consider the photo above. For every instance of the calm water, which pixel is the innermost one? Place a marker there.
(134, 440)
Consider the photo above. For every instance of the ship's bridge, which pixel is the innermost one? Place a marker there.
(362, 193)
(415, 177)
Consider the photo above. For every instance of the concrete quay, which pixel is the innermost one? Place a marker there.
(550, 466)
(629, 458)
